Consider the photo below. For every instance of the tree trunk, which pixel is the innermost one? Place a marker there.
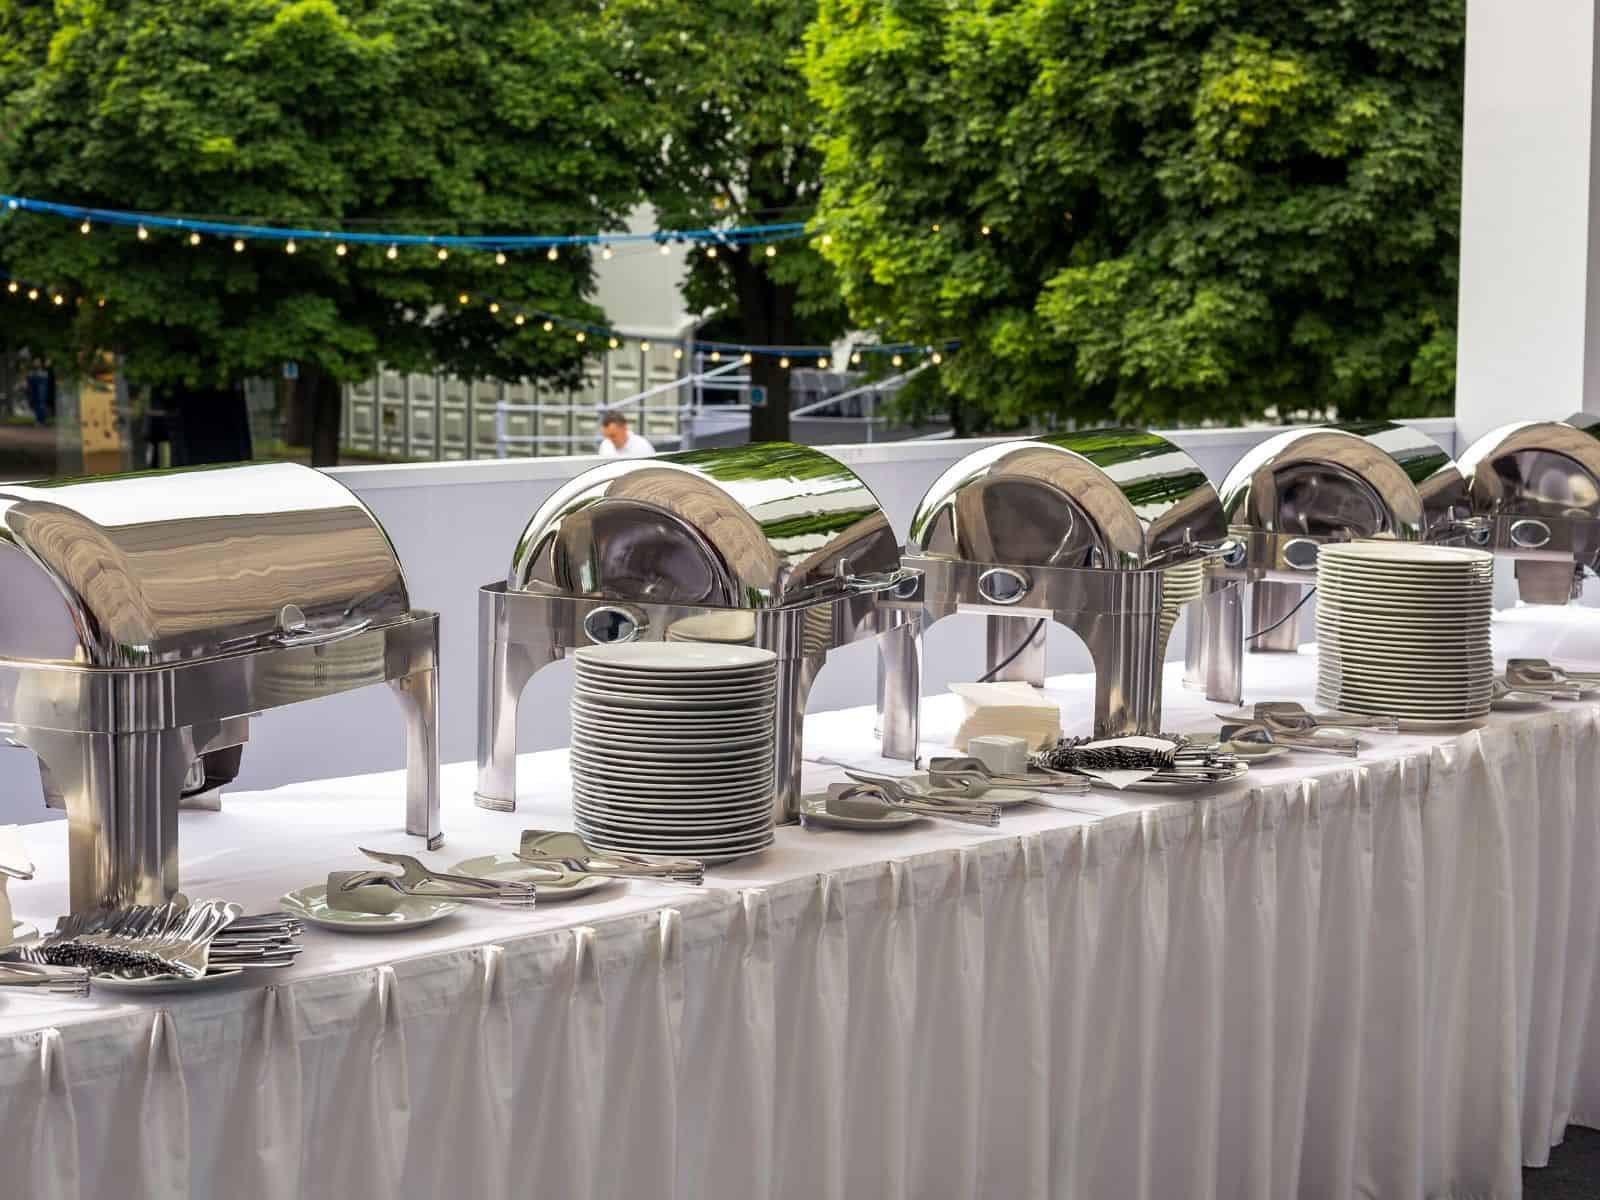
(210, 425)
(322, 408)
(766, 318)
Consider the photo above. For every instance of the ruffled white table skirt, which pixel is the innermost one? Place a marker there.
(1342, 979)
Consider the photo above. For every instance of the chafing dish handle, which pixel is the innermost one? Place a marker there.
(318, 637)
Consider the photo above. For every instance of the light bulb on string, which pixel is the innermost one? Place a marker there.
(144, 234)
(238, 245)
(341, 250)
(289, 247)
(392, 252)
(500, 258)
(84, 228)
(552, 254)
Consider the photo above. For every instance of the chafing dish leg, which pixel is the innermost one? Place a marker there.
(1020, 639)
(418, 694)
(795, 677)
(121, 796)
(900, 689)
(504, 669)
(1270, 605)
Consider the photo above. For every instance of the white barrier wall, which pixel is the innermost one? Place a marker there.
(454, 526)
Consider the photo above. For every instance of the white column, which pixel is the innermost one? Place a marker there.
(1529, 323)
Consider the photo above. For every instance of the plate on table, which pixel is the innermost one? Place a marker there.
(311, 904)
(154, 985)
(510, 868)
(814, 811)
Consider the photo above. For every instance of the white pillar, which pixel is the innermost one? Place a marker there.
(1529, 322)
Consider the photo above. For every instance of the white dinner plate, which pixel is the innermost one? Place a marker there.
(676, 656)
(511, 869)
(311, 905)
(154, 985)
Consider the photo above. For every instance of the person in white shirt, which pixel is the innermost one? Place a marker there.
(618, 441)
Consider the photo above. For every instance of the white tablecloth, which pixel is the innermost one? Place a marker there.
(1330, 979)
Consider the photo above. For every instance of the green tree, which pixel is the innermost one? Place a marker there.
(439, 116)
(1150, 211)
(735, 146)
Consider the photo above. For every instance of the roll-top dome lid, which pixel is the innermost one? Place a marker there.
(758, 526)
(1535, 468)
(1338, 482)
(1119, 499)
(158, 567)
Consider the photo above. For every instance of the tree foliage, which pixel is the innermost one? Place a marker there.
(446, 116)
(1204, 210)
(725, 84)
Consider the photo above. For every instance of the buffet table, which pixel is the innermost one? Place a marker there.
(1332, 978)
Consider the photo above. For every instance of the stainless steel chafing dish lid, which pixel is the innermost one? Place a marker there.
(1325, 483)
(161, 566)
(1119, 499)
(758, 527)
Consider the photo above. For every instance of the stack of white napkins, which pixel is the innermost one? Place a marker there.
(14, 864)
(1014, 709)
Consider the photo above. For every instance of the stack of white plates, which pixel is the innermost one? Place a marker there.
(1403, 630)
(672, 748)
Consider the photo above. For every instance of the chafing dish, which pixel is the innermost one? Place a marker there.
(1108, 532)
(1537, 486)
(773, 545)
(1293, 494)
(149, 615)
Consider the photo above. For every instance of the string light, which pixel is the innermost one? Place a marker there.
(552, 254)
(341, 250)
(392, 252)
(238, 245)
(288, 247)
(443, 254)
(144, 234)
(84, 228)
(500, 259)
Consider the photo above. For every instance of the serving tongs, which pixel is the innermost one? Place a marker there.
(417, 879)
(59, 981)
(569, 857)
(962, 773)
(928, 804)
(1538, 675)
